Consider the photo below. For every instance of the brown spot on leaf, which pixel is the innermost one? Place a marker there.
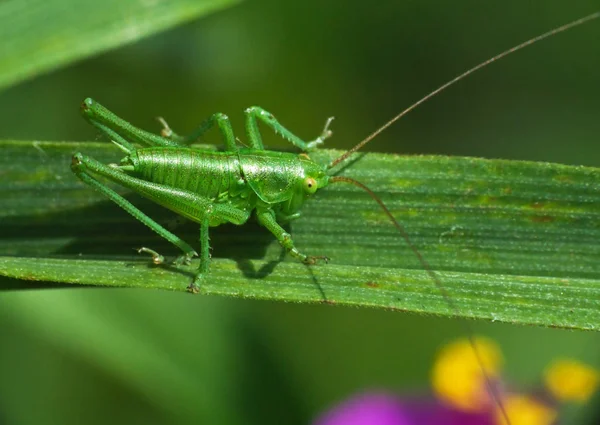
(371, 284)
(542, 219)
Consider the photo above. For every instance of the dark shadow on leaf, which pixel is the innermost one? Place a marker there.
(249, 271)
(10, 284)
(349, 162)
(104, 230)
(317, 284)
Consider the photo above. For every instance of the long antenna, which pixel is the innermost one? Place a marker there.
(465, 74)
(492, 390)
(438, 283)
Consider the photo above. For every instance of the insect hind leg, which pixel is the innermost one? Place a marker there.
(191, 205)
(111, 126)
(256, 113)
(83, 167)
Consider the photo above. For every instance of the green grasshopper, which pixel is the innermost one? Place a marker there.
(213, 188)
(208, 187)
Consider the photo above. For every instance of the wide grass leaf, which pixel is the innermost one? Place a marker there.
(41, 35)
(510, 241)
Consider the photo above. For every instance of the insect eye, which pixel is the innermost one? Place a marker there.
(310, 185)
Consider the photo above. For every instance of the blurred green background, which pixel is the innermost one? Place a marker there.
(129, 356)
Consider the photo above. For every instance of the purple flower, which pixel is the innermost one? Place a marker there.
(383, 408)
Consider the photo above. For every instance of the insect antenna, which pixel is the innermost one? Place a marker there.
(491, 387)
(465, 74)
(495, 396)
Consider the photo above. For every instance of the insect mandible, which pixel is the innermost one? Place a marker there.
(212, 188)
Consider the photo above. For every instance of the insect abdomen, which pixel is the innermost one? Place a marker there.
(206, 173)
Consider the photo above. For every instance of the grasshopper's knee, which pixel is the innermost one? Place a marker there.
(220, 116)
(76, 161)
(253, 110)
(88, 102)
(94, 112)
(257, 111)
(87, 107)
(223, 122)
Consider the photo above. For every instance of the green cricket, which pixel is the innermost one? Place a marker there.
(208, 187)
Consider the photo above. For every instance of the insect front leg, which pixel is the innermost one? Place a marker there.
(84, 167)
(266, 217)
(255, 113)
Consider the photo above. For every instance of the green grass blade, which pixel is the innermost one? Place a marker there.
(39, 36)
(511, 241)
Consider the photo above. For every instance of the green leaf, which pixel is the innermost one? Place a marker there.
(39, 36)
(510, 241)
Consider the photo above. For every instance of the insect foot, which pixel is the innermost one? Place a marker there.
(184, 259)
(311, 260)
(156, 257)
(326, 134)
(165, 131)
(194, 287)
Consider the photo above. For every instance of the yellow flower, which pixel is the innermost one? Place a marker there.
(457, 375)
(569, 380)
(525, 410)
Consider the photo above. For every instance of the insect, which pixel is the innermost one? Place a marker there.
(212, 188)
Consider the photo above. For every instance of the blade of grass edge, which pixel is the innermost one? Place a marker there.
(41, 36)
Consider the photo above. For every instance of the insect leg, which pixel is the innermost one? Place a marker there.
(222, 121)
(198, 208)
(204, 257)
(266, 217)
(255, 113)
(213, 214)
(83, 167)
(114, 127)
(283, 218)
(206, 213)
(110, 124)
